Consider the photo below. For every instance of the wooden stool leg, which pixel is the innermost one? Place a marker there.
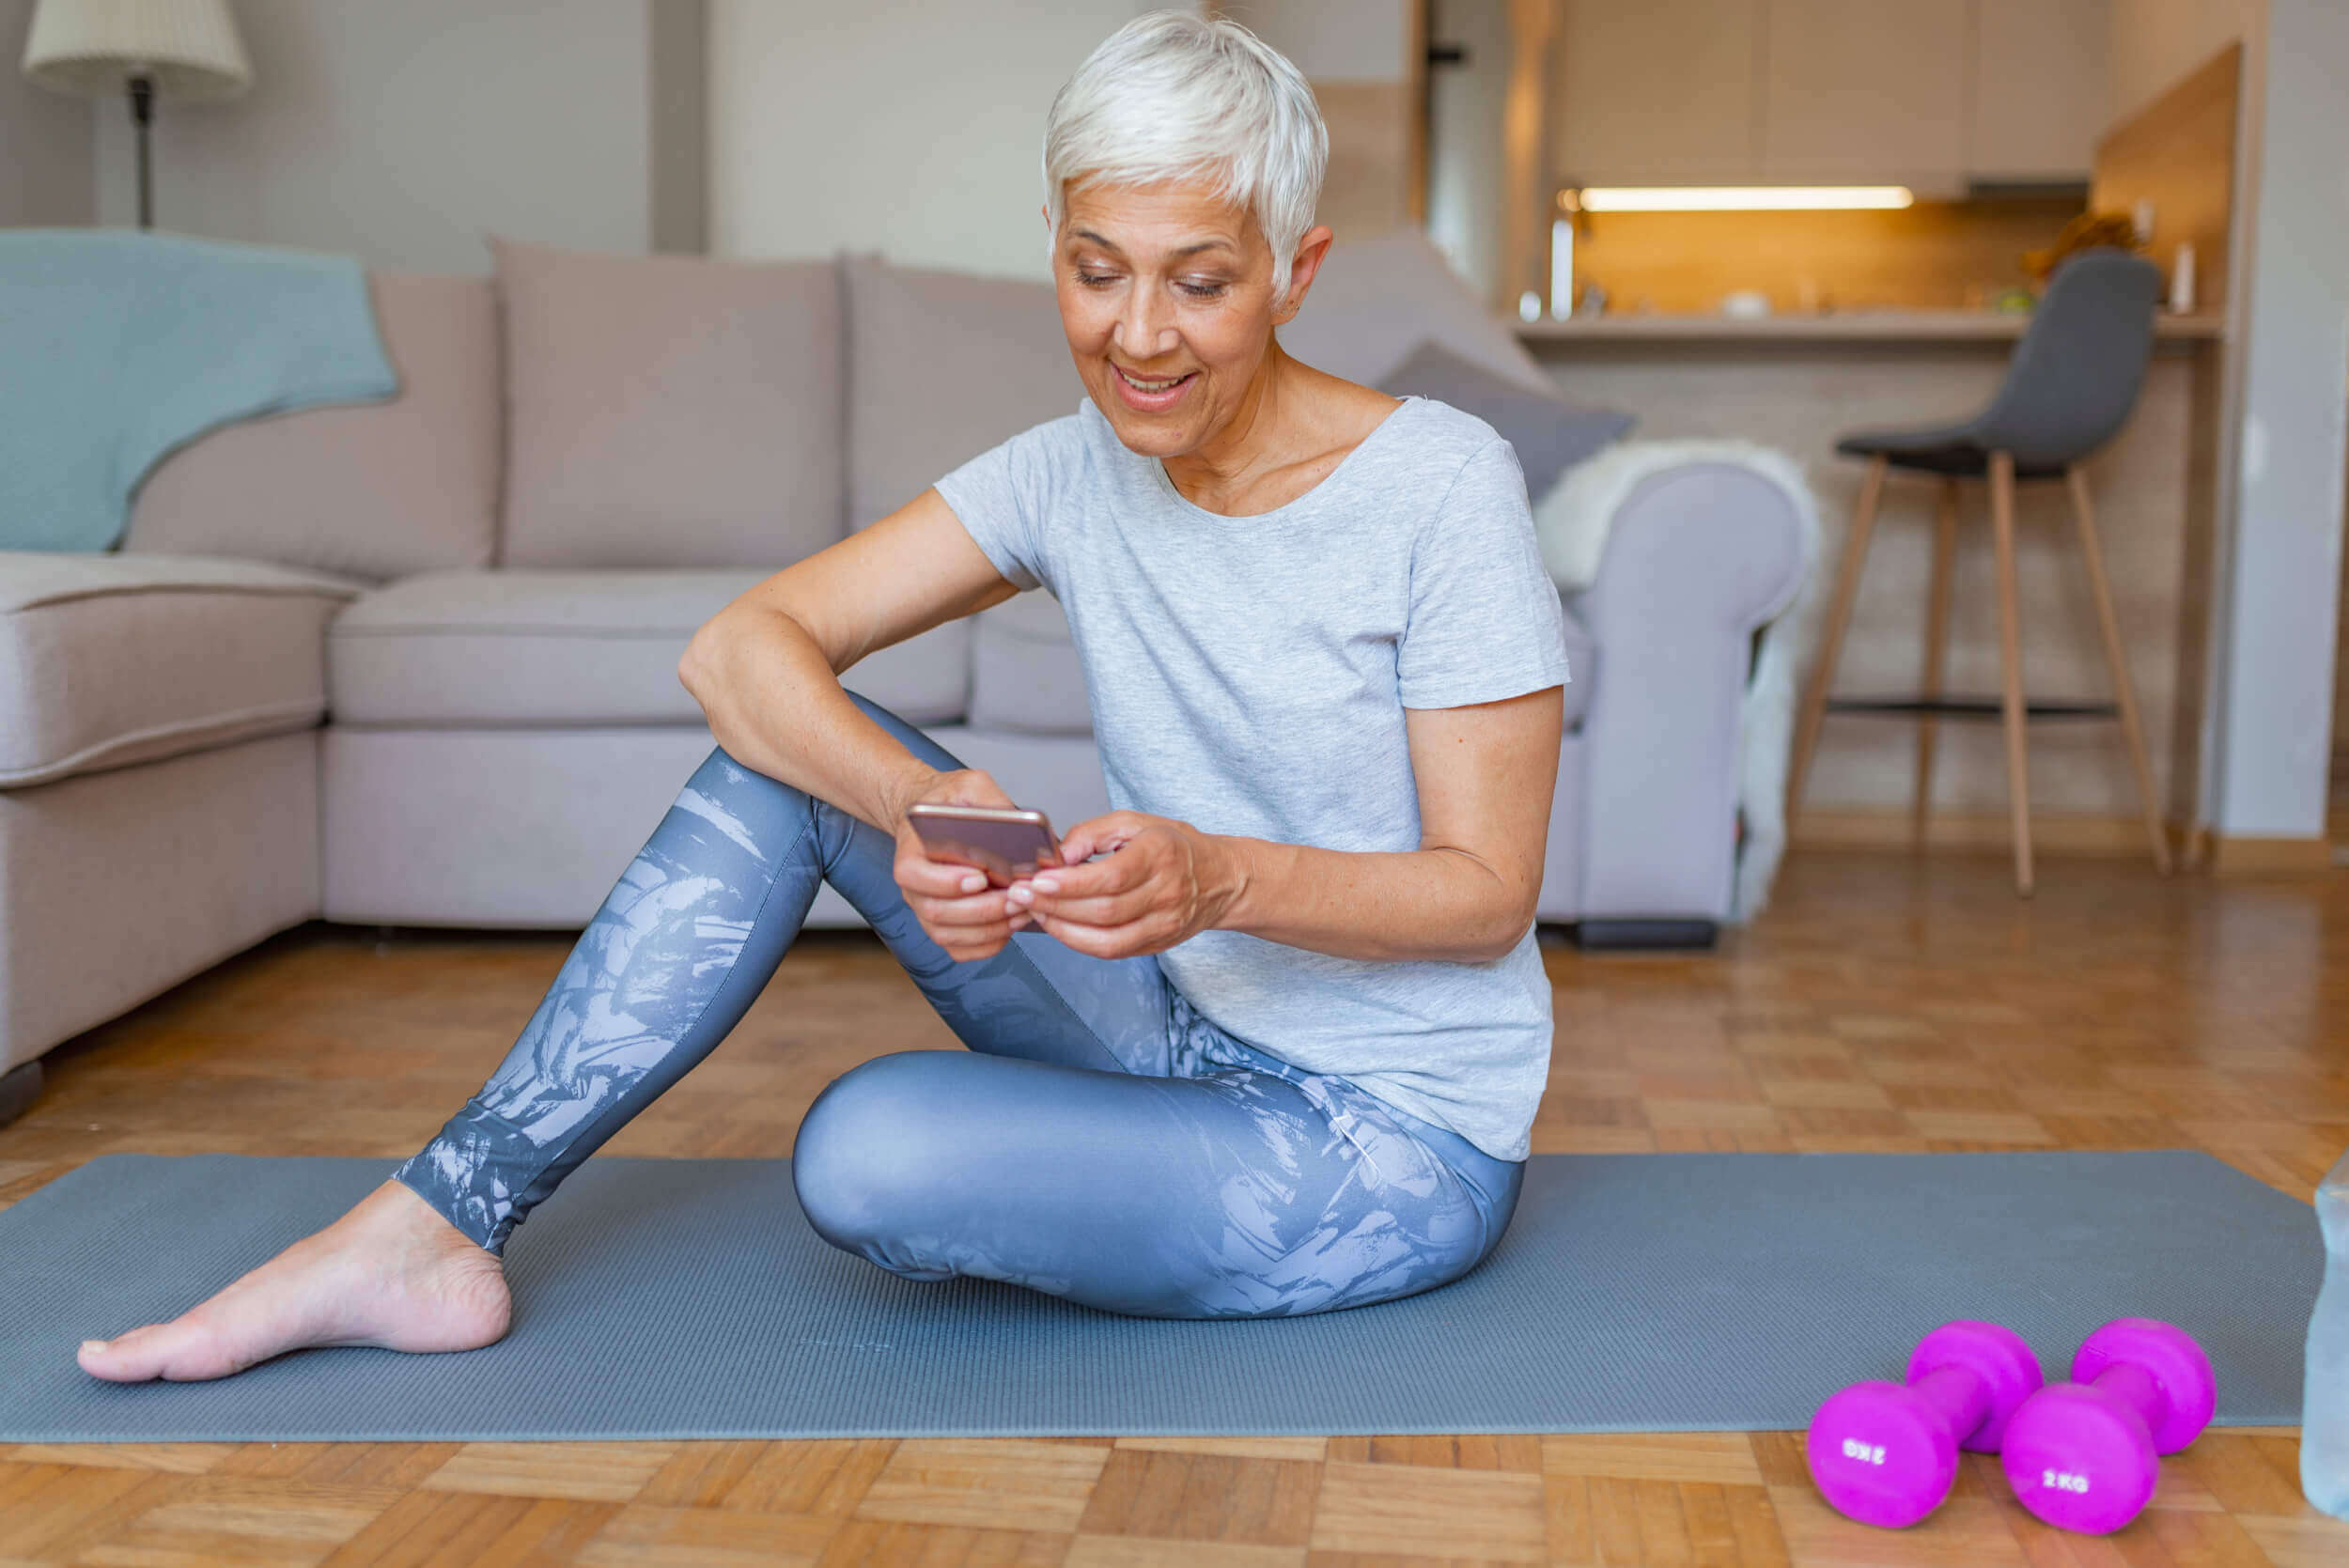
(2076, 479)
(2010, 663)
(1937, 642)
(1831, 645)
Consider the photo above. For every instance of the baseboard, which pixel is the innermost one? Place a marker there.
(2062, 834)
(20, 1086)
(1644, 935)
(2239, 855)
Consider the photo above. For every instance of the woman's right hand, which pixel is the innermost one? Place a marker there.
(953, 902)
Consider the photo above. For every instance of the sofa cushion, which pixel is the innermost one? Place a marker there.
(1376, 300)
(369, 491)
(110, 660)
(1025, 677)
(523, 648)
(942, 365)
(669, 411)
(1549, 432)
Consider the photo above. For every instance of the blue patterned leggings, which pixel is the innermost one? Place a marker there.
(1101, 1141)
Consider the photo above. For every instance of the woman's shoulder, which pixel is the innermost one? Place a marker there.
(1071, 430)
(1051, 451)
(1441, 429)
(1431, 445)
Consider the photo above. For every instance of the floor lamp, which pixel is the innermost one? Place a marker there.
(181, 48)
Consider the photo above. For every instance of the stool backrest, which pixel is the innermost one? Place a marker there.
(2081, 362)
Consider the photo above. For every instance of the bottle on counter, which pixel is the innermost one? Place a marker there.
(2324, 1403)
(2182, 280)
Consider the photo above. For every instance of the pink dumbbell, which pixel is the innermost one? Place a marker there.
(1885, 1454)
(2085, 1455)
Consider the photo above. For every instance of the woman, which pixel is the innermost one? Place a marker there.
(1277, 1047)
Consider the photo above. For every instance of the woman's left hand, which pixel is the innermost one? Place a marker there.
(1161, 882)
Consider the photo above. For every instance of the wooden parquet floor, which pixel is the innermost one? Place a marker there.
(1883, 1003)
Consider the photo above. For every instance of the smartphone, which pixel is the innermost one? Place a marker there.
(1006, 842)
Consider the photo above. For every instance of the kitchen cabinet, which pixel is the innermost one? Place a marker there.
(1927, 93)
(2038, 89)
(1864, 92)
(1658, 93)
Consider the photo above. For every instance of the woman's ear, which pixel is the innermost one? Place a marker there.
(1301, 271)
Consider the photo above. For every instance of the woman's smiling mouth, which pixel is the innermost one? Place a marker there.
(1152, 395)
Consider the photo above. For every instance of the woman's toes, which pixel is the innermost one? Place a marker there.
(132, 1357)
(186, 1349)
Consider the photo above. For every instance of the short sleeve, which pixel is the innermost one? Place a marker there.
(1003, 496)
(1484, 621)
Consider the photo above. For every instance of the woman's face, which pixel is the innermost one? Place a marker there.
(1166, 295)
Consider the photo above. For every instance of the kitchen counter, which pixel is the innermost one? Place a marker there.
(1859, 326)
(1796, 383)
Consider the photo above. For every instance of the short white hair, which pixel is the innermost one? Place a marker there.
(1172, 95)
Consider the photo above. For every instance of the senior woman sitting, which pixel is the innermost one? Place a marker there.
(1270, 1038)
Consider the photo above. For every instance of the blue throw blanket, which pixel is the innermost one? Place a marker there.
(117, 347)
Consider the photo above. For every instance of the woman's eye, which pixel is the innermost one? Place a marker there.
(1195, 290)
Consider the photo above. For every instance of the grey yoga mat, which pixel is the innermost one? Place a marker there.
(688, 1298)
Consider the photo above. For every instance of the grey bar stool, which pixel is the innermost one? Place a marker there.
(2070, 387)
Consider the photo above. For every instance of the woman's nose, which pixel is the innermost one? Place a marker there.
(1142, 332)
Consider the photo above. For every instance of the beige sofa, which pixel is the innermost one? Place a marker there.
(414, 663)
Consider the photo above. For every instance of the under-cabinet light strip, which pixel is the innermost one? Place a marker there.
(1739, 199)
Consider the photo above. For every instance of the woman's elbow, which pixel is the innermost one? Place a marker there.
(1494, 930)
(1513, 915)
(696, 669)
(1503, 942)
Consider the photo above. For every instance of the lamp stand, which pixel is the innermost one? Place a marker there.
(143, 111)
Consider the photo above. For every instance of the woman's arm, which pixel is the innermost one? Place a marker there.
(1485, 774)
(766, 670)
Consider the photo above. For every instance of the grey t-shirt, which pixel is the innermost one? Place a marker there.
(1248, 676)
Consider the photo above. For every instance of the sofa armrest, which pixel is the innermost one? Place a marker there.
(1699, 556)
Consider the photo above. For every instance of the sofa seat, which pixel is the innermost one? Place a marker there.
(519, 648)
(107, 661)
(1025, 678)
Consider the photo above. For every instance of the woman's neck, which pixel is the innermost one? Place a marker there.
(1255, 442)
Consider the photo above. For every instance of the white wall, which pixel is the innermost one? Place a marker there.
(1333, 40)
(914, 131)
(45, 144)
(2154, 42)
(2277, 604)
(399, 133)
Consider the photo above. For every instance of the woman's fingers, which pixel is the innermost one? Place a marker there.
(1102, 942)
(964, 943)
(974, 910)
(1096, 834)
(1113, 909)
(938, 878)
(1132, 866)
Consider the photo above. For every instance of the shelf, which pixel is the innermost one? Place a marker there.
(1864, 326)
(1966, 708)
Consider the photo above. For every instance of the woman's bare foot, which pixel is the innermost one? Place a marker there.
(392, 1272)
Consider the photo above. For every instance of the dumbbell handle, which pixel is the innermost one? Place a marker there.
(2136, 1387)
(1960, 1395)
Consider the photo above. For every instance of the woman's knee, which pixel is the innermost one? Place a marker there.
(863, 1158)
(730, 804)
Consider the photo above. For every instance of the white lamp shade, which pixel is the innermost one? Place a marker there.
(189, 48)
